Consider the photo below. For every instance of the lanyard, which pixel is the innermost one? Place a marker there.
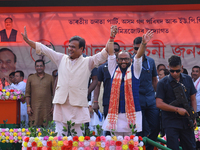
(147, 65)
(197, 84)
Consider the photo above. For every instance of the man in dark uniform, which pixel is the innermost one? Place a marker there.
(174, 118)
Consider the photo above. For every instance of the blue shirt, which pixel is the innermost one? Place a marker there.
(165, 92)
(104, 76)
(146, 90)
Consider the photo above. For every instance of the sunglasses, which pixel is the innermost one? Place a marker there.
(136, 48)
(177, 71)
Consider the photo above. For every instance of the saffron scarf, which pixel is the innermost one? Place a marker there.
(114, 99)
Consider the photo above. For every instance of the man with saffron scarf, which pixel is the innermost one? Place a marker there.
(124, 106)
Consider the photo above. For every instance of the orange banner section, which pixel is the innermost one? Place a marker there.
(175, 32)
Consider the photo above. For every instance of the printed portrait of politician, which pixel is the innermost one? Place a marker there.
(8, 34)
(8, 61)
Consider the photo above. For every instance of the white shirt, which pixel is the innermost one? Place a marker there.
(20, 86)
(197, 86)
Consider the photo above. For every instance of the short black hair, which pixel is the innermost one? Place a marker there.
(160, 65)
(196, 67)
(40, 60)
(185, 71)
(166, 72)
(20, 72)
(117, 50)
(8, 18)
(174, 61)
(12, 74)
(80, 40)
(7, 49)
(137, 40)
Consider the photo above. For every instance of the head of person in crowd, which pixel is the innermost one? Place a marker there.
(124, 60)
(162, 73)
(8, 23)
(136, 44)
(160, 67)
(19, 76)
(195, 73)
(76, 47)
(116, 48)
(12, 77)
(175, 66)
(39, 66)
(8, 61)
(184, 71)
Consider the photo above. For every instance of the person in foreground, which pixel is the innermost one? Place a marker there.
(124, 106)
(70, 99)
(174, 119)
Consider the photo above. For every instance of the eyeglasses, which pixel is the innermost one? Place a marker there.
(136, 48)
(125, 59)
(177, 71)
(116, 50)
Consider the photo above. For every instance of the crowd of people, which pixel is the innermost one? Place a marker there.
(135, 91)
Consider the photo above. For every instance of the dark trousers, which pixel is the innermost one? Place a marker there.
(150, 124)
(105, 112)
(186, 136)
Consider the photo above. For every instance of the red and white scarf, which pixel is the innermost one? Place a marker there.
(114, 99)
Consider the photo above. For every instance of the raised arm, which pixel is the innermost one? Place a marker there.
(145, 39)
(42, 49)
(110, 43)
(101, 57)
(25, 37)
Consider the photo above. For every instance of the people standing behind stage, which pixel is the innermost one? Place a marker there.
(104, 76)
(162, 73)
(39, 95)
(160, 67)
(148, 82)
(196, 79)
(11, 78)
(19, 84)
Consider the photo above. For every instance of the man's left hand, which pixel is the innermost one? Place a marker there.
(147, 37)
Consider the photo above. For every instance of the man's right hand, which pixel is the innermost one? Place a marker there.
(182, 112)
(95, 107)
(29, 111)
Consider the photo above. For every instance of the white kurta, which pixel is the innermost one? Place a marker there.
(66, 112)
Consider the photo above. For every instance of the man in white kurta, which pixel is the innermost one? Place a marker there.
(70, 99)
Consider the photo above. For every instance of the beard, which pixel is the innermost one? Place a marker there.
(124, 68)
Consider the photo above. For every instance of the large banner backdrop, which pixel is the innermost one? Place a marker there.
(175, 32)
